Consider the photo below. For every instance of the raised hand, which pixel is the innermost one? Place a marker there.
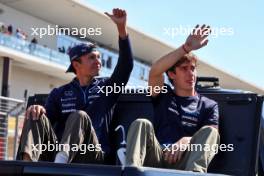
(119, 17)
(198, 38)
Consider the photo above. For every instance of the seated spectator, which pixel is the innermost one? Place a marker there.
(34, 41)
(24, 35)
(61, 49)
(32, 45)
(19, 34)
(3, 28)
(10, 30)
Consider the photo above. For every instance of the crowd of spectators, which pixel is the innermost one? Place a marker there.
(20, 34)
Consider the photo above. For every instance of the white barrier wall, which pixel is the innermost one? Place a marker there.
(34, 82)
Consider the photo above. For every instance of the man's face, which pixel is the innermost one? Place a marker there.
(90, 64)
(184, 76)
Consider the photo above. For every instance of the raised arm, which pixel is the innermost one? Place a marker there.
(196, 40)
(124, 65)
(122, 70)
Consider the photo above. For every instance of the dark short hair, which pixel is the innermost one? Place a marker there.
(190, 57)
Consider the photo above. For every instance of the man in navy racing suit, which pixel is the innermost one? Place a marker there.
(74, 124)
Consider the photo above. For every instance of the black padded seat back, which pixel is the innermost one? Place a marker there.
(239, 126)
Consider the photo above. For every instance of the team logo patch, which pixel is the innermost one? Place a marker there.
(173, 104)
(191, 109)
(94, 89)
(173, 110)
(68, 93)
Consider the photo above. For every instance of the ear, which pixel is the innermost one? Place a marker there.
(75, 65)
(171, 74)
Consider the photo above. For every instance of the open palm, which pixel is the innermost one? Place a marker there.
(198, 38)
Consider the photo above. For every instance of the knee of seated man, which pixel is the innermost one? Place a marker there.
(142, 121)
(42, 118)
(81, 115)
(210, 130)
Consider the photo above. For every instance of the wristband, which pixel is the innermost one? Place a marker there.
(184, 49)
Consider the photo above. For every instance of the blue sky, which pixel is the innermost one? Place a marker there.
(241, 53)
